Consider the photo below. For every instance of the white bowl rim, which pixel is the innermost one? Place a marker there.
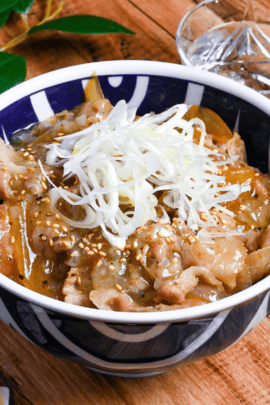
(112, 68)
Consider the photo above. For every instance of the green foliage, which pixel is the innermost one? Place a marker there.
(82, 24)
(21, 6)
(3, 17)
(13, 70)
(13, 67)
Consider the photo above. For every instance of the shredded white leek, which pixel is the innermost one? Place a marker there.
(121, 163)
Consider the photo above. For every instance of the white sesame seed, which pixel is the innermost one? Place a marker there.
(74, 254)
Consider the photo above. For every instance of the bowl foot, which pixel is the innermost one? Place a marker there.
(125, 374)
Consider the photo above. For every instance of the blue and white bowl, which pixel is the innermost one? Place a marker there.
(137, 344)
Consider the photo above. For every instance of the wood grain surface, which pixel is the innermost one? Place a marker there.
(239, 375)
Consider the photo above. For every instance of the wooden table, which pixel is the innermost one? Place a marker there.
(240, 375)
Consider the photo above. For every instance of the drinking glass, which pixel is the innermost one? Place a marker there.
(236, 46)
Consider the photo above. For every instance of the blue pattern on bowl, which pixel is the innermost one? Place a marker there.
(133, 348)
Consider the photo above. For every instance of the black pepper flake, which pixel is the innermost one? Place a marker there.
(40, 235)
(45, 282)
(21, 277)
(39, 198)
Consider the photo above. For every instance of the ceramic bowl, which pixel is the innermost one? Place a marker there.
(137, 344)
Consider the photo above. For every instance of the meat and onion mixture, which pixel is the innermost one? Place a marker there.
(105, 209)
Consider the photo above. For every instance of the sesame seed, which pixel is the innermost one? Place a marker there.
(103, 254)
(87, 248)
(74, 254)
(56, 226)
(31, 169)
(224, 222)
(57, 216)
(224, 157)
(12, 239)
(48, 223)
(73, 238)
(95, 250)
(56, 231)
(35, 214)
(31, 158)
(99, 246)
(139, 255)
(257, 174)
(44, 185)
(99, 263)
(15, 177)
(111, 267)
(118, 286)
(64, 228)
(48, 214)
(175, 260)
(243, 207)
(135, 244)
(79, 280)
(123, 260)
(43, 237)
(81, 245)
(66, 243)
(51, 242)
(60, 134)
(23, 192)
(252, 227)
(38, 222)
(191, 238)
(90, 252)
(204, 216)
(25, 154)
(225, 168)
(93, 245)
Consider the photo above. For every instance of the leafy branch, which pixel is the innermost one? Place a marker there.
(13, 67)
(20, 38)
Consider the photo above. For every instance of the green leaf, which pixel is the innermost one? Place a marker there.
(3, 17)
(82, 24)
(12, 70)
(6, 5)
(22, 6)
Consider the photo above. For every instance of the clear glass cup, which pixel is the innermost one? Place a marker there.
(235, 46)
